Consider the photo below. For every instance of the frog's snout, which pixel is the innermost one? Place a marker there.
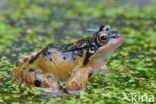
(113, 34)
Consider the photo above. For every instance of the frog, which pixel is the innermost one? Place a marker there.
(73, 63)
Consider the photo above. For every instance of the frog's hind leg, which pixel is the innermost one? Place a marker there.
(20, 67)
(79, 79)
(41, 80)
(25, 59)
(34, 78)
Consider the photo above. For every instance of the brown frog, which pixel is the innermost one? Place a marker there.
(73, 63)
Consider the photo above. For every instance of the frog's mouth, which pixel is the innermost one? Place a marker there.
(113, 43)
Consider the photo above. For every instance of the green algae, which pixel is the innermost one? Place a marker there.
(29, 25)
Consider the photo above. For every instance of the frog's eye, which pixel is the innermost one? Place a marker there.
(103, 37)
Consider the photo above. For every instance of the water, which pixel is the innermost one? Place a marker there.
(51, 24)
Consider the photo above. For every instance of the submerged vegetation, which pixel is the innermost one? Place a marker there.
(29, 25)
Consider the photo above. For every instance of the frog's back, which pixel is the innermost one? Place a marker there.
(58, 59)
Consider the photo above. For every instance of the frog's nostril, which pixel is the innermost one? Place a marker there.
(115, 36)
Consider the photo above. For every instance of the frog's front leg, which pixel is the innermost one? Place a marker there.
(79, 79)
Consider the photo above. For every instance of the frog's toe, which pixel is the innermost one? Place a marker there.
(75, 85)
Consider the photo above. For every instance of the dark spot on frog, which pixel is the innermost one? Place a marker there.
(50, 59)
(25, 59)
(34, 58)
(24, 68)
(31, 70)
(44, 54)
(49, 52)
(31, 56)
(90, 74)
(85, 61)
(64, 58)
(91, 49)
(37, 83)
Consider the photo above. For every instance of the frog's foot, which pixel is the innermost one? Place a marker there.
(78, 80)
(25, 59)
(49, 81)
